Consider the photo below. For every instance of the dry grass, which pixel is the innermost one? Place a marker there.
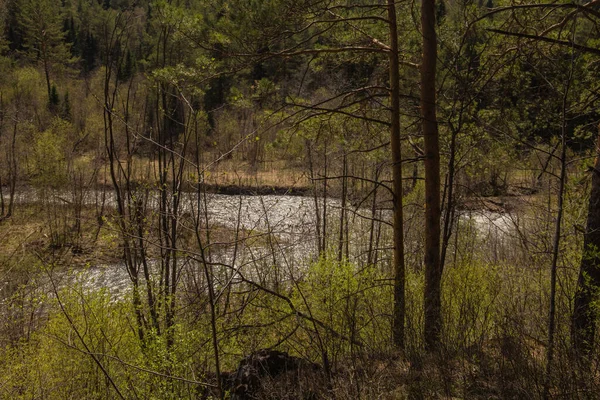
(28, 232)
(278, 173)
(275, 173)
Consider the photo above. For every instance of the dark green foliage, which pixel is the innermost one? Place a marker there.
(126, 68)
(72, 36)
(89, 52)
(215, 96)
(440, 11)
(54, 99)
(66, 107)
(41, 25)
(15, 39)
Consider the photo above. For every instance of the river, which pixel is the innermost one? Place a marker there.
(291, 222)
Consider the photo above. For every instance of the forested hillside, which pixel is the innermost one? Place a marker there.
(299, 199)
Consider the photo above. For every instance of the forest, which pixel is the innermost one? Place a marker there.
(299, 199)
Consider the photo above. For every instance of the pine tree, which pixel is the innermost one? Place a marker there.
(53, 99)
(41, 24)
(126, 69)
(66, 107)
(72, 37)
(89, 51)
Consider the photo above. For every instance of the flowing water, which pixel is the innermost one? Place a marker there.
(290, 222)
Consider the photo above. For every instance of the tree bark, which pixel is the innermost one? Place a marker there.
(556, 240)
(399, 311)
(584, 313)
(433, 267)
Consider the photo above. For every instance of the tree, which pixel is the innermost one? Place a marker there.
(53, 99)
(584, 318)
(433, 266)
(399, 268)
(352, 26)
(41, 24)
(585, 313)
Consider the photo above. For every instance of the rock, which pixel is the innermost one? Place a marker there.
(267, 366)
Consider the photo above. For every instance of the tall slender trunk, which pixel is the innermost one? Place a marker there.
(123, 213)
(2, 113)
(343, 210)
(205, 258)
(13, 164)
(370, 257)
(433, 267)
(449, 196)
(399, 311)
(324, 245)
(585, 317)
(46, 71)
(556, 246)
(315, 197)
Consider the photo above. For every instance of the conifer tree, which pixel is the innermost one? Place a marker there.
(41, 23)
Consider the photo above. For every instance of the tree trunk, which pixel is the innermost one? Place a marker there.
(556, 241)
(433, 267)
(399, 270)
(13, 166)
(343, 209)
(584, 313)
(46, 71)
(311, 168)
(370, 257)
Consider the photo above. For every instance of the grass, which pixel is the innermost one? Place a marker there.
(226, 172)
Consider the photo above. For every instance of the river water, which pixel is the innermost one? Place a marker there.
(291, 223)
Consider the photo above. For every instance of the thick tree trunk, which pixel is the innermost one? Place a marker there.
(399, 273)
(433, 267)
(588, 286)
